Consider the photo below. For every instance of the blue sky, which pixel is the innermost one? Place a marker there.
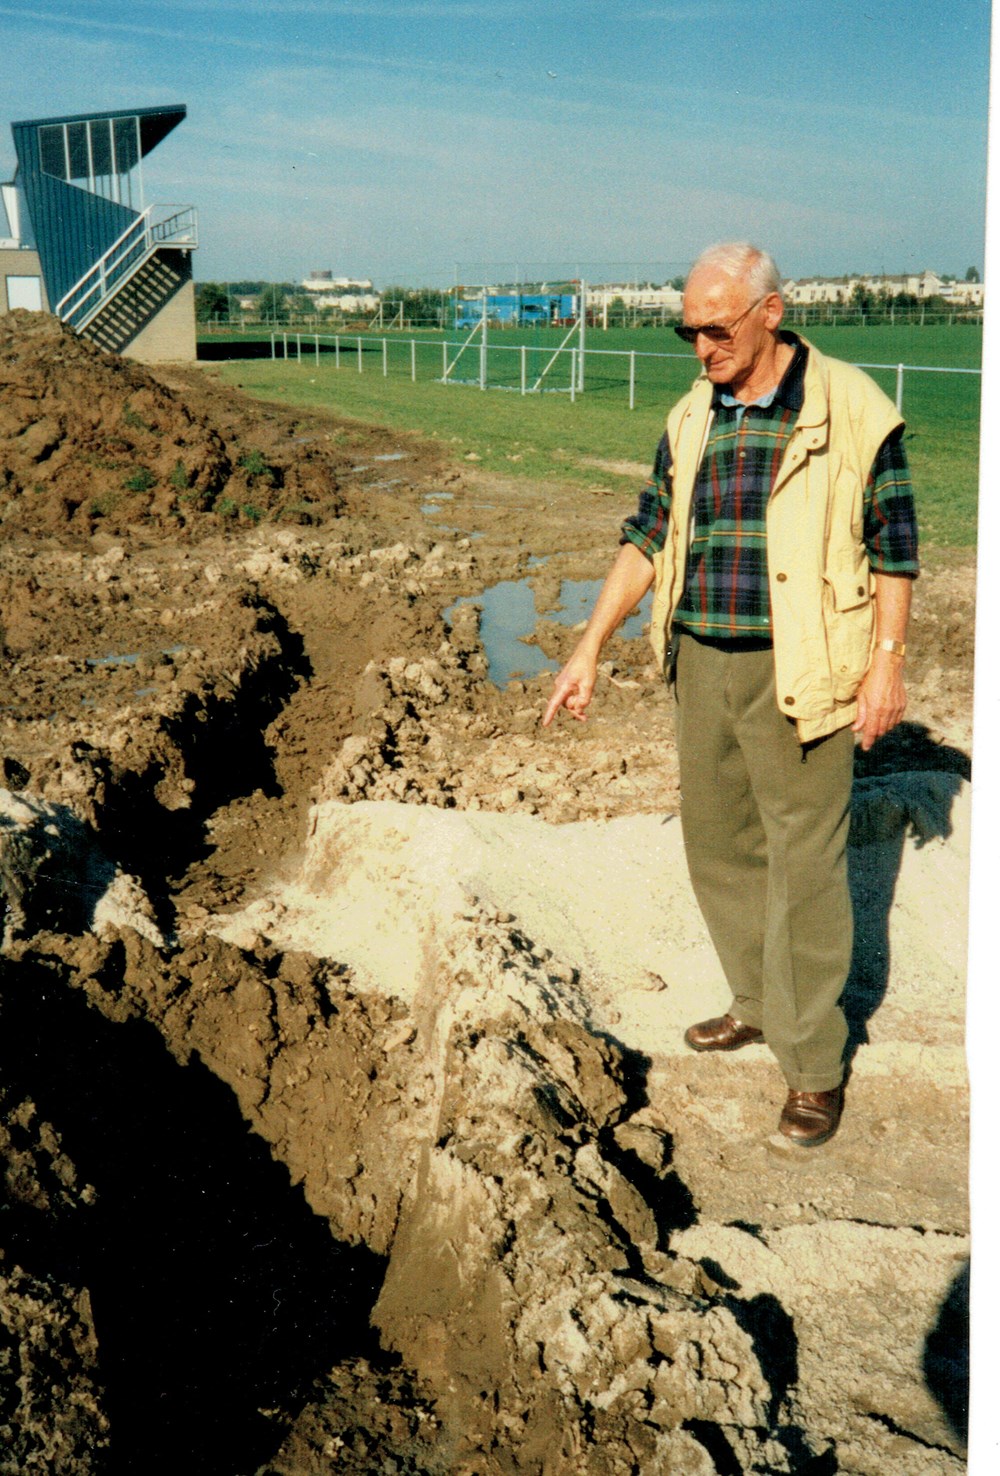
(420, 140)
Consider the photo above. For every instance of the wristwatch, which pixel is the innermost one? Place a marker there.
(897, 648)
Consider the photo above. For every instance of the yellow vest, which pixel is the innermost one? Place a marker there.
(821, 586)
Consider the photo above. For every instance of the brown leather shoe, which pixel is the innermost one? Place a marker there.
(809, 1118)
(721, 1034)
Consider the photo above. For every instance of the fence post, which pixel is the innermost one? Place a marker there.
(284, 340)
(524, 369)
(298, 348)
(274, 351)
(572, 375)
(385, 358)
(899, 387)
(413, 360)
(631, 380)
(359, 353)
(336, 350)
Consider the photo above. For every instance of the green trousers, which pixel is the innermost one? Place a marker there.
(765, 824)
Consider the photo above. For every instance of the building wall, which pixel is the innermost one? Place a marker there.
(171, 336)
(19, 263)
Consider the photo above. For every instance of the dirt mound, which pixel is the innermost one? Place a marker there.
(89, 440)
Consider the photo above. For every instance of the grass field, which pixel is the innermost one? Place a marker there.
(543, 436)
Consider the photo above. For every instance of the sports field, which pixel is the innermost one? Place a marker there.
(396, 380)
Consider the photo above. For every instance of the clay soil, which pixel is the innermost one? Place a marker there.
(345, 1121)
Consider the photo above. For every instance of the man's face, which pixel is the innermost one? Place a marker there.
(712, 297)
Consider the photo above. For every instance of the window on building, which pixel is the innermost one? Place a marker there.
(98, 155)
(24, 292)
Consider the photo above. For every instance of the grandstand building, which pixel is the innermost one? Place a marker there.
(77, 238)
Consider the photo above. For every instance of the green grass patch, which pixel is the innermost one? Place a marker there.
(179, 477)
(255, 464)
(545, 436)
(132, 420)
(141, 480)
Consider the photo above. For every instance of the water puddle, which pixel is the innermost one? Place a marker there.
(391, 456)
(434, 501)
(509, 614)
(578, 598)
(129, 659)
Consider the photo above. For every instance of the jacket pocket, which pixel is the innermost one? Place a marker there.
(849, 618)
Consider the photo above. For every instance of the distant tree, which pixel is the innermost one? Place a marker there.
(300, 303)
(271, 302)
(862, 298)
(677, 283)
(210, 301)
(971, 274)
(420, 304)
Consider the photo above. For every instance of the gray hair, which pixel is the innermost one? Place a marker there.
(747, 263)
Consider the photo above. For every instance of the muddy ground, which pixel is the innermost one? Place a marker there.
(345, 1118)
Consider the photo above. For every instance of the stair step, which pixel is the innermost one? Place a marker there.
(134, 305)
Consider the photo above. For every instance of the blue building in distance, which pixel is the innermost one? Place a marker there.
(507, 309)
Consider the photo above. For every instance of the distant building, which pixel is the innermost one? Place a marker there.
(642, 297)
(350, 294)
(509, 308)
(77, 238)
(920, 285)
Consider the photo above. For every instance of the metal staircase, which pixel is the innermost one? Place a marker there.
(123, 291)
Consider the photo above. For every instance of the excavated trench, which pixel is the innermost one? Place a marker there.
(216, 740)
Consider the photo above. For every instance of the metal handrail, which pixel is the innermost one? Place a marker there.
(158, 225)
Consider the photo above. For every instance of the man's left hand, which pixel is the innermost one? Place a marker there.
(881, 698)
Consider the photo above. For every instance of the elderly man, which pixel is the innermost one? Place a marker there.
(779, 532)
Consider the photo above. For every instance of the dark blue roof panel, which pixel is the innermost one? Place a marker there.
(154, 123)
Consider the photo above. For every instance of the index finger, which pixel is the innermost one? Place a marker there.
(555, 702)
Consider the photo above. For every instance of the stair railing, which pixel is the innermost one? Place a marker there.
(158, 225)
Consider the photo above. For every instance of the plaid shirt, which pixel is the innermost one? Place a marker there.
(726, 588)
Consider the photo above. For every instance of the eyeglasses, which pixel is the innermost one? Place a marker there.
(716, 332)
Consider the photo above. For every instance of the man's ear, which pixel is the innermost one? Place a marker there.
(774, 311)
